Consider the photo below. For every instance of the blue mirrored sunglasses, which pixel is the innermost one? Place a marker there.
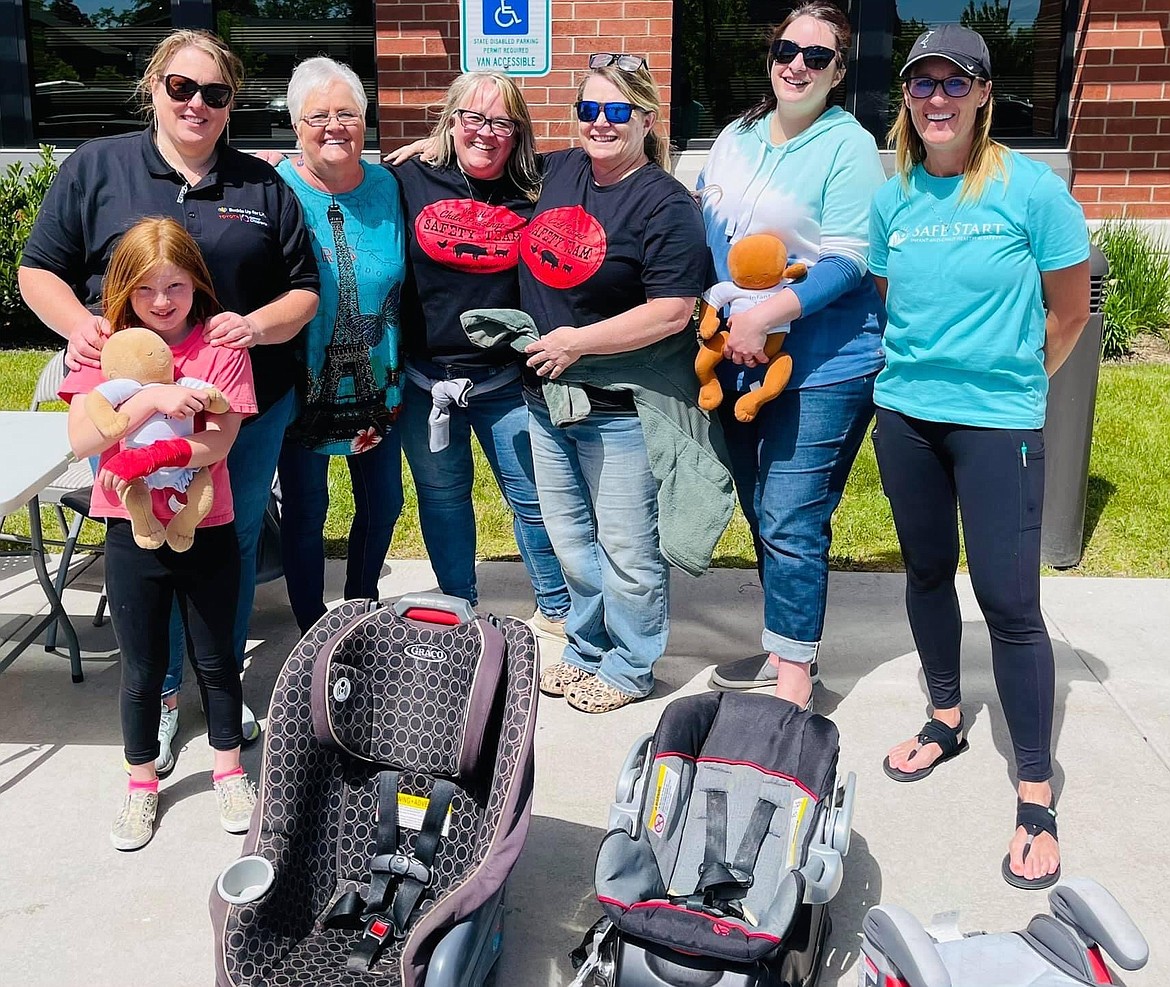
(589, 109)
(923, 86)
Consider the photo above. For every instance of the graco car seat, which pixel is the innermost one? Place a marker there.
(1062, 949)
(394, 798)
(724, 848)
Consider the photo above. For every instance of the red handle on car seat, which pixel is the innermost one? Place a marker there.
(429, 616)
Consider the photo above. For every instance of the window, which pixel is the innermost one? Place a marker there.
(720, 48)
(84, 58)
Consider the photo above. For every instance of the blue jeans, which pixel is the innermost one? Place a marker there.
(790, 466)
(444, 479)
(251, 469)
(600, 502)
(376, 477)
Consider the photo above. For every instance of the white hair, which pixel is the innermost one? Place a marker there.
(317, 73)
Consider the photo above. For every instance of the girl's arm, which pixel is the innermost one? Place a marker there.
(172, 400)
(215, 441)
(642, 325)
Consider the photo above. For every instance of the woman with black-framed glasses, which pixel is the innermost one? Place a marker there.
(800, 170)
(962, 403)
(248, 225)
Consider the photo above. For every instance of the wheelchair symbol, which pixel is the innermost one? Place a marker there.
(505, 16)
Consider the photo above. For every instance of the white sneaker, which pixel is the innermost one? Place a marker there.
(237, 798)
(248, 725)
(168, 726)
(546, 627)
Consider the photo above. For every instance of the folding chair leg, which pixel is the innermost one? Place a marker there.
(71, 536)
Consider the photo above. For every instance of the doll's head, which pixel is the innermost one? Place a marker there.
(157, 278)
(757, 261)
(138, 354)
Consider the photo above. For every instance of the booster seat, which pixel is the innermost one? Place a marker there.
(1061, 949)
(394, 798)
(724, 847)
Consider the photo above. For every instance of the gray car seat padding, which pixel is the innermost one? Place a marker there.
(901, 937)
(315, 821)
(1089, 907)
(716, 759)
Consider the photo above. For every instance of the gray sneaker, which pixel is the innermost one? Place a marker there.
(237, 799)
(249, 726)
(134, 824)
(168, 726)
(754, 672)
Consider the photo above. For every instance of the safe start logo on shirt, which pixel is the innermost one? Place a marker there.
(563, 247)
(468, 235)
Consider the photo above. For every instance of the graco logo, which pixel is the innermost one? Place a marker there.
(898, 237)
(426, 652)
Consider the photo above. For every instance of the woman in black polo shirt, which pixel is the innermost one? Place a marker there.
(248, 225)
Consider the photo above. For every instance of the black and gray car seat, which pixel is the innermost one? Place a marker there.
(394, 798)
(1061, 949)
(724, 848)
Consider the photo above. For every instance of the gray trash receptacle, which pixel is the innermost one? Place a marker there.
(1068, 433)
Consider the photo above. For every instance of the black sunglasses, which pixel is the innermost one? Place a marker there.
(627, 63)
(816, 57)
(923, 86)
(589, 109)
(217, 95)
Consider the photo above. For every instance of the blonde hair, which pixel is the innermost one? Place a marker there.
(986, 161)
(146, 246)
(227, 62)
(641, 91)
(521, 167)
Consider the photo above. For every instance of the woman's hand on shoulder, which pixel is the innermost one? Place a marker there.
(552, 355)
(745, 341)
(271, 155)
(407, 151)
(85, 343)
(230, 329)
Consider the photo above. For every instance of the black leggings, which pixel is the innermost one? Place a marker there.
(996, 478)
(141, 586)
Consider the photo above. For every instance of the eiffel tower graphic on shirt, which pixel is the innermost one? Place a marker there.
(344, 399)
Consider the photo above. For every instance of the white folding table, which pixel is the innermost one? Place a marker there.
(35, 451)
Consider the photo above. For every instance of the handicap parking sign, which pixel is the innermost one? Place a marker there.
(505, 16)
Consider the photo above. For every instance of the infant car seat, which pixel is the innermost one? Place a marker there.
(724, 848)
(394, 798)
(1062, 949)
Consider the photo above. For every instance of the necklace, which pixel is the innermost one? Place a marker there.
(477, 212)
(945, 221)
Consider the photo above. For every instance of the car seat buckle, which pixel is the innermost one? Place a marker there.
(401, 865)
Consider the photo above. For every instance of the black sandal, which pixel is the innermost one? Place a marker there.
(950, 739)
(1035, 819)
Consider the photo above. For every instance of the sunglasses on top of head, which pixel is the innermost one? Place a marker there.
(816, 57)
(589, 110)
(217, 95)
(627, 63)
(923, 86)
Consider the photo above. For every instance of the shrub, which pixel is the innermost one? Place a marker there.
(21, 195)
(1137, 291)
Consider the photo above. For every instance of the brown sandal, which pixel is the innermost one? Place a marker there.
(594, 696)
(556, 679)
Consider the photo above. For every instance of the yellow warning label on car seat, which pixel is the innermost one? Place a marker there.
(665, 792)
(412, 809)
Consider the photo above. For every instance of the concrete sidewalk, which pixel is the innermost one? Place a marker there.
(74, 911)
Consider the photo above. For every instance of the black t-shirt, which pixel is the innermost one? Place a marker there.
(462, 253)
(246, 221)
(592, 252)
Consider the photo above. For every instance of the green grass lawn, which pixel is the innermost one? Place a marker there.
(1127, 522)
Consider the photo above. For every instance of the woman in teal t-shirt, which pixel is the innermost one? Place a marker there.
(349, 388)
(969, 242)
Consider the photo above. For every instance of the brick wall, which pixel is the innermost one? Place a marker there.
(1121, 109)
(418, 56)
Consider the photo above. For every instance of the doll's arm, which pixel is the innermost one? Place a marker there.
(102, 402)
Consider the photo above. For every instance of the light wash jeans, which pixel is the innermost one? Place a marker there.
(790, 466)
(376, 478)
(600, 503)
(444, 479)
(251, 469)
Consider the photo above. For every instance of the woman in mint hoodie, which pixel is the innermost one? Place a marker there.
(796, 168)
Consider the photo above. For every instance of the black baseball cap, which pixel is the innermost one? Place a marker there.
(957, 44)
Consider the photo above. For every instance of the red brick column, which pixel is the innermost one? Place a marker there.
(418, 56)
(1120, 121)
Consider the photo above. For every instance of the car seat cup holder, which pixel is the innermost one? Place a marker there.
(245, 880)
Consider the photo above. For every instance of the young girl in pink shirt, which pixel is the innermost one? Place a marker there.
(157, 278)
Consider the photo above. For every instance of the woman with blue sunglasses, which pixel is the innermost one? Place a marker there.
(982, 257)
(800, 170)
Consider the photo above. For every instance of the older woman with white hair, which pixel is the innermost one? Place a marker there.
(349, 387)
